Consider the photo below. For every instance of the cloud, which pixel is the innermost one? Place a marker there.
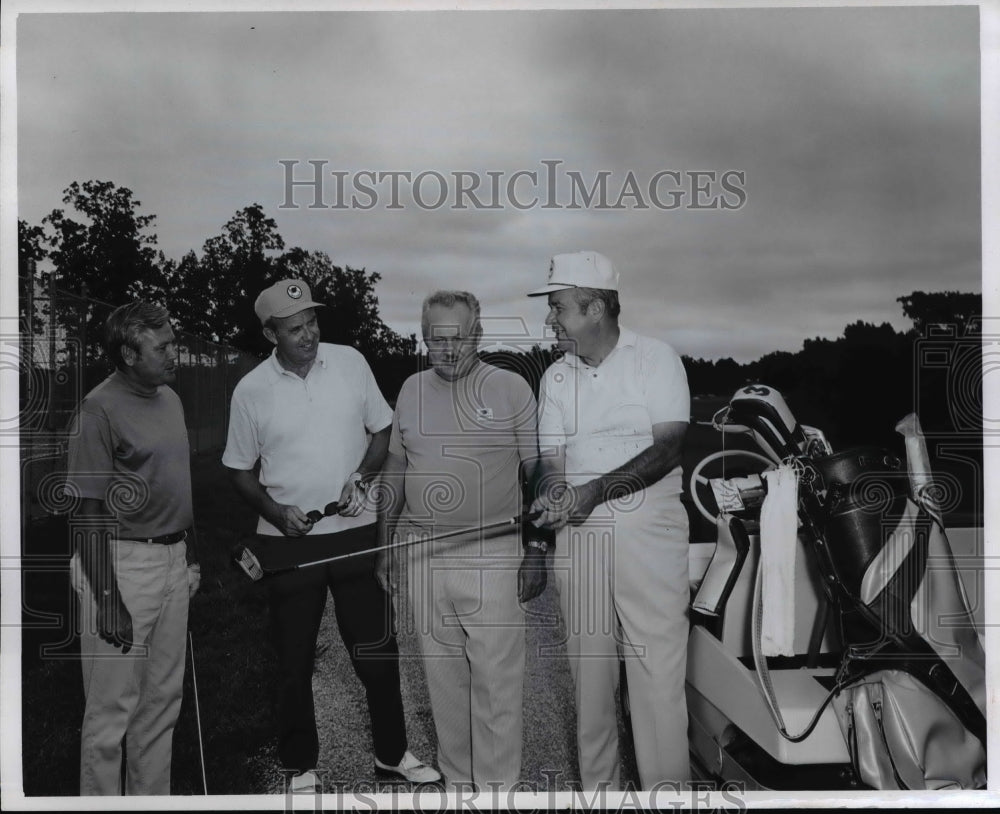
(857, 130)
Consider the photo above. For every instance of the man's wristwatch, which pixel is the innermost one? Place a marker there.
(541, 545)
(357, 480)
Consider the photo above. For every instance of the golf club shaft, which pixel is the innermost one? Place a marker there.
(197, 714)
(512, 521)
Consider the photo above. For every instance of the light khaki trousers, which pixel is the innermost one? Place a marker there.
(471, 631)
(134, 697)
(623, 590)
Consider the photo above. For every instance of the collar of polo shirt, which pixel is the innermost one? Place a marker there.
(626, 338)
(273, 358)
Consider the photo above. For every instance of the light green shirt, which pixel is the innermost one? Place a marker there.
(463, 442)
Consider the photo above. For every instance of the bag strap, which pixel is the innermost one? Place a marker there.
(764, 674)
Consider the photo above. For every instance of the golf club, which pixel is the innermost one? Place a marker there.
(197, 715)
(252, 567)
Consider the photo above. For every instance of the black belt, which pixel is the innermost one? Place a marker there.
(163, 539)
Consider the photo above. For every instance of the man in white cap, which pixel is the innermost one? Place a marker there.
(613, 412)
(312, 415)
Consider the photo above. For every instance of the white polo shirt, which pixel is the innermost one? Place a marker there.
(604, 415)
(309, 434)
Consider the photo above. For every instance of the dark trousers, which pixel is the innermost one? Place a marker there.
(367, 625)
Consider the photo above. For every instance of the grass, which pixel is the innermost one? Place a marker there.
(234, 661)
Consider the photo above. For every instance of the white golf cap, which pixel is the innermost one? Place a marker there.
(579, 270)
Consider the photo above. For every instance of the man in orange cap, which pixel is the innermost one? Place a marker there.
(312, 415)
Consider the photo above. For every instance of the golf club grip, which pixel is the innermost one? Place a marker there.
(516, 520)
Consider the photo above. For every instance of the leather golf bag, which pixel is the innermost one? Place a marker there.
(914, 661)
(911, 699)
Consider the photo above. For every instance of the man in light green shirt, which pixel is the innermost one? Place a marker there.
(460, 434)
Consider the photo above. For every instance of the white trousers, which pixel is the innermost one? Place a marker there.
(623, 589)
(134, 697)
(471, 631)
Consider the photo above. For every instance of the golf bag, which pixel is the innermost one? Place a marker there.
(909, 693)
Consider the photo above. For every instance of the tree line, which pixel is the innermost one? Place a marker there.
(100, 245)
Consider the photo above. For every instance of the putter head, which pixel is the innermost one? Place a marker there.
(246, 560)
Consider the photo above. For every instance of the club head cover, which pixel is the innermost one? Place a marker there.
(248, 563)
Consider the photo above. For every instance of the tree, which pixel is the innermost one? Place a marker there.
(30, 251)
(213, 296)
(531, 365)
(958, 310)
(110, 253)
(189, 302)
(29, 246)
(947, 360)
(720, 377)
(101, 249)
(235, 266)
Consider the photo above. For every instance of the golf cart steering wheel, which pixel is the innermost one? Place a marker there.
(697, 479)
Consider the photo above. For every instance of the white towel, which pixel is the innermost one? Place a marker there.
(778, 545)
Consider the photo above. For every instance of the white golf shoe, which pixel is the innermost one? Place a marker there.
(305, 783)
(409, 768)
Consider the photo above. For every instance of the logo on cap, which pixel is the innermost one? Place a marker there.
(552, 268)
(294, 292)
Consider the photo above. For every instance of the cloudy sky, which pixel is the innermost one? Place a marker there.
(852, 136)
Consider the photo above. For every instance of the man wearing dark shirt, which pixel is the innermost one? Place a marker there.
(133, 568)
